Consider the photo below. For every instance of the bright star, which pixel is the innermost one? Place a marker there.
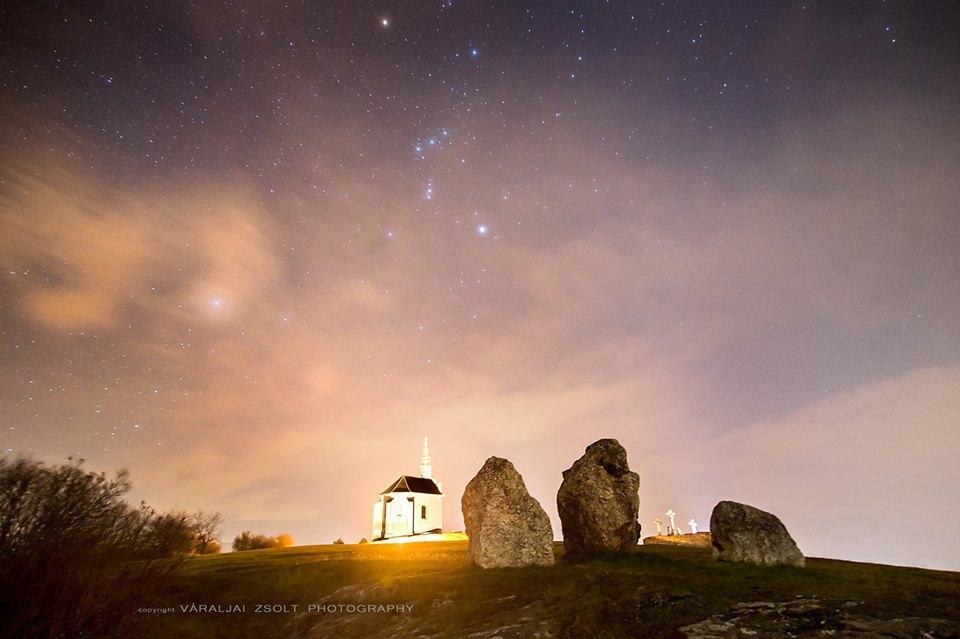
(385, 22)
(482, 229)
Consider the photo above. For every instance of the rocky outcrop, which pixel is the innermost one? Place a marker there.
(811, 617)
(504, 524)
(598, 502)
(742, 533)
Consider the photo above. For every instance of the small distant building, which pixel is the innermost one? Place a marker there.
(410, 505)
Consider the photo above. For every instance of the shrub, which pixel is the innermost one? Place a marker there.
(206, 532)
(250, 541)
(211, 548)
(75, 558)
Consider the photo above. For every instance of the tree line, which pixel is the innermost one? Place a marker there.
(251, 541)
(77, 559)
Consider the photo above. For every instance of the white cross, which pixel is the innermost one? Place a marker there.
(693, 525)
(671, 515)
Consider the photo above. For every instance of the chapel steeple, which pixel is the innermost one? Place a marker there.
(426, 469)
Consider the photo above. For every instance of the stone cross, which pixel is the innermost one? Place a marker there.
(658, 523)
(673, 523)
(693, 525)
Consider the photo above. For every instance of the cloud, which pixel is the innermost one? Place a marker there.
(89, 256)
(866, 474)
(75, 254)
(279, 360)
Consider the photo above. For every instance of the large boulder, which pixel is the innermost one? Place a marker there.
(504, 524)
(746, 534)
(598, 502)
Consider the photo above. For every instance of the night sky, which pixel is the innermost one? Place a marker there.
(254, 252)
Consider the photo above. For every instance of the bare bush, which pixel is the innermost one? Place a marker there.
(75, 558)
(251, 541)
(211, 548)
(206, 530)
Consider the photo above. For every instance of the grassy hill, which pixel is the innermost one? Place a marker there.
(650, 594)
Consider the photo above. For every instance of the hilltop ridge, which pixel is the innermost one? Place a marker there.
(659, 591)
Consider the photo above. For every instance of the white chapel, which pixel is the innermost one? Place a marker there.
(410, 505)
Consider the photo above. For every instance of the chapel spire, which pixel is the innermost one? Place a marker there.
(426, 469)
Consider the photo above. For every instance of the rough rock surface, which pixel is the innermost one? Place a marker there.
(598, 501)
(427, 618)
(810, 617)
(504, 524)
(742, 533)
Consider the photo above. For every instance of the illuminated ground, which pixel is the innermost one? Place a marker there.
(445, 536)
(696, 539)
(650, 594)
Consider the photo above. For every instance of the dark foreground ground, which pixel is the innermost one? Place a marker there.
(661, 591)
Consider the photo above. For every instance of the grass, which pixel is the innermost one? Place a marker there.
(650, 593)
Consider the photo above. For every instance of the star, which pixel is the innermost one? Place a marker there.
(177, 273)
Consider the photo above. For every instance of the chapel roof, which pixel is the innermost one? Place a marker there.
(411, 484)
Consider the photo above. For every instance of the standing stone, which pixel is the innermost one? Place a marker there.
(504, 524)
(598, 501)
(746, 534)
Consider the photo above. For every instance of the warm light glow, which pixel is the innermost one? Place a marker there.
(447, 536)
